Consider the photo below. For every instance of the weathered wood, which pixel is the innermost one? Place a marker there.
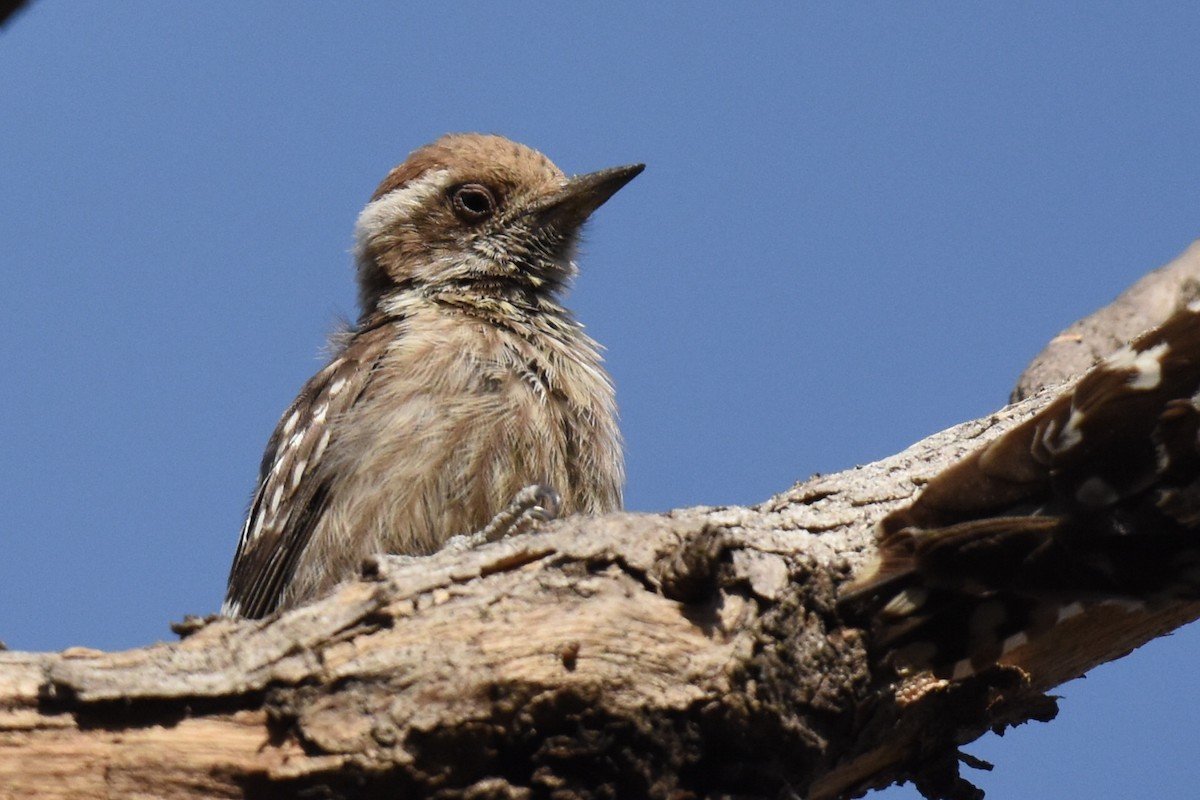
(694, 653)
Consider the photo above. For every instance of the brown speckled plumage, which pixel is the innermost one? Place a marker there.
(464, 380)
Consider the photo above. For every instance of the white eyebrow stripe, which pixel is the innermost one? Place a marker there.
(397, 204)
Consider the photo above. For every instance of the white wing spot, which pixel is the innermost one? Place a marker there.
(290, 423)
(298, 473)
(276, 498)
(319, 450)
(336, 387)
(253, 533)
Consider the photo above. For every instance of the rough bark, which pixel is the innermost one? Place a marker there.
(690, 654)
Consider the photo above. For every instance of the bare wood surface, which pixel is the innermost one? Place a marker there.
(688, 654)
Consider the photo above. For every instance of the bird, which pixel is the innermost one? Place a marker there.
(463, 384)
(1094, 499)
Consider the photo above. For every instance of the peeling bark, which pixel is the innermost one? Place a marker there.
(696, 653)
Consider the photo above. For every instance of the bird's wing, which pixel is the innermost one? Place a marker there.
(293, 492)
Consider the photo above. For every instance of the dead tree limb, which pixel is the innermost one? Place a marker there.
(689, 654)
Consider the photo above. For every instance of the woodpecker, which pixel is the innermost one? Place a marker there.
(464, 382)
(1095, 499)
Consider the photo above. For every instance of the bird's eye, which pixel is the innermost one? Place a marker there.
(473, 202)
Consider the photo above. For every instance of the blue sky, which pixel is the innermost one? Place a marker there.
(858, 222)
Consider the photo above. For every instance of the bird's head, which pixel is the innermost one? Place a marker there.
(478, 212)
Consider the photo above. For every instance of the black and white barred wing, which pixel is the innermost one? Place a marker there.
(293, 490)
(1094, 499)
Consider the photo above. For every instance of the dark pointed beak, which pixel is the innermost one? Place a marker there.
(582, 195)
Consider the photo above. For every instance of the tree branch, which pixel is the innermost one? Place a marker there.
(694, 653)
